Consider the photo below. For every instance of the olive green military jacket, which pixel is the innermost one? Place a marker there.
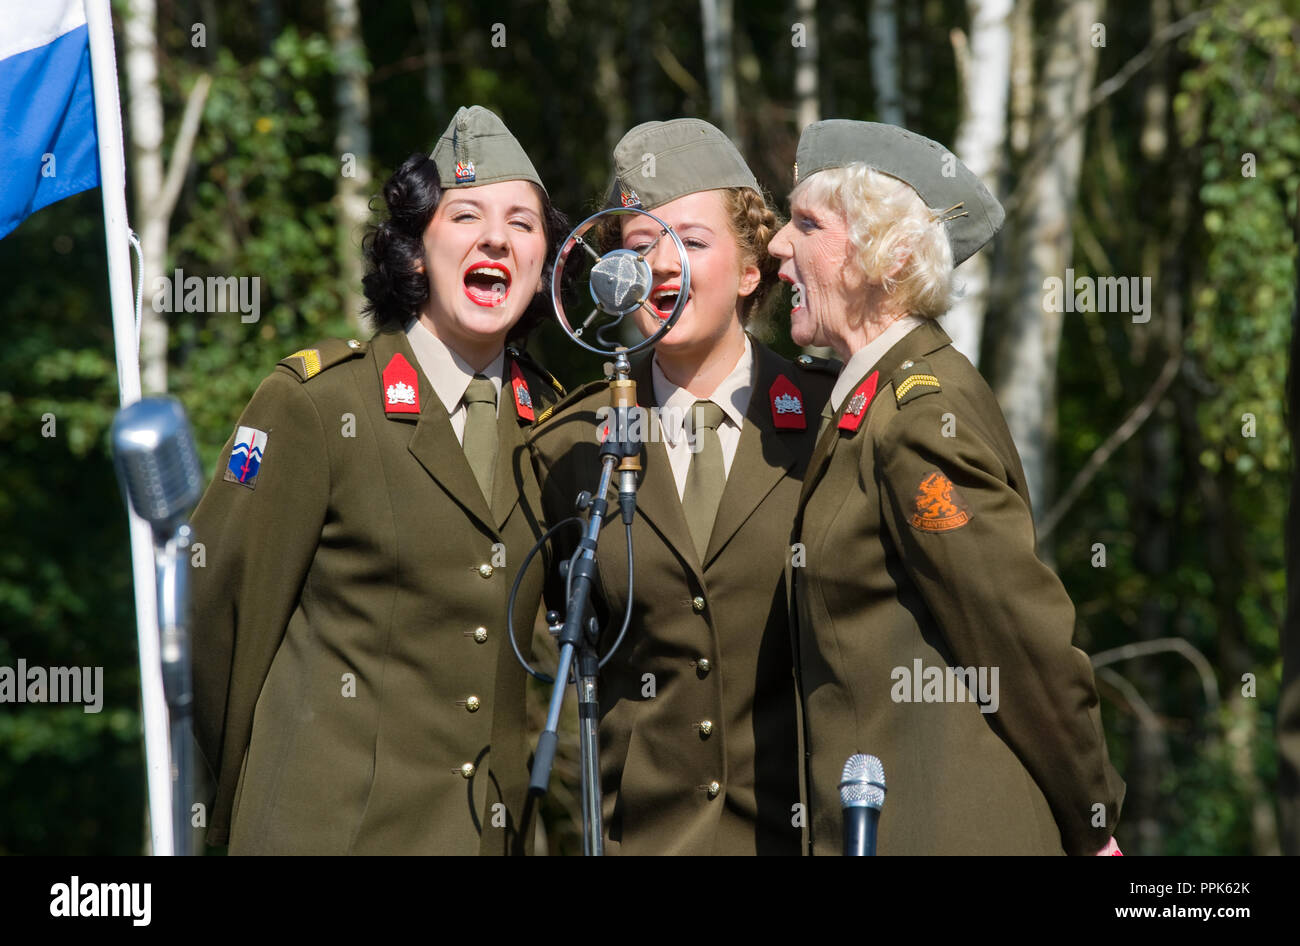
(920, 560)
(699, 746)
(354, 690)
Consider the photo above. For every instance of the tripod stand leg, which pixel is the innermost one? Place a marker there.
(593, 832)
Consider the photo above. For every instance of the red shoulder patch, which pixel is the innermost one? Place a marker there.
(787, 405)
(859, 401)
(523, 400)
(401, 387)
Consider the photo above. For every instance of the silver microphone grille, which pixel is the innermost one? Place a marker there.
(863, 782)
(156, 462)
(620, 280)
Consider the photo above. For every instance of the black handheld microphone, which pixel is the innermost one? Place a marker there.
(158, 466)
(862, 793)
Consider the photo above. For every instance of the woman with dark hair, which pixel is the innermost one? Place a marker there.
(354, 688)
(698, 747)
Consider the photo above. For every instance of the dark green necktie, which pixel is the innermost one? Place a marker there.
(480, 440)
(707, 476)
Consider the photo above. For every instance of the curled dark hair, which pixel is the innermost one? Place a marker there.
(393, 247)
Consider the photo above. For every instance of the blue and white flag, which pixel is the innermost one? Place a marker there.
(48, 149)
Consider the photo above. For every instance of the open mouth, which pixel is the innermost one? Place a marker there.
(487, 284)
(664, 297)
(796, 292)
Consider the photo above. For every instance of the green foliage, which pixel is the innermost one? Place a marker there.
(1190, 509)
(259, 206)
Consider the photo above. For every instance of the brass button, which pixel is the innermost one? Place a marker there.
(485, 571)
(467, 771)
(353, 344)
(703, 665)
(480, 635)
(804, 360)
(472, 704)
(706, 727)
(905, 365)
(697, 603)
(714, 788)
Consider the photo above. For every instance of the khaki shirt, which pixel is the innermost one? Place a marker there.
(449, 374)
(732, 395)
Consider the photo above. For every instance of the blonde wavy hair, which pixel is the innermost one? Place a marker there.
(886, 220)
(753, 224)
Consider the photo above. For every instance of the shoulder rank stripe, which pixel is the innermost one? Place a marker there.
(310, 361)
(307, 363)
(916, 380)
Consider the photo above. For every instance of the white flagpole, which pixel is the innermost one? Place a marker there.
(112, 173)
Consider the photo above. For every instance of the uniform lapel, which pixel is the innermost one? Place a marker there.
(508, 481)
(656, 497)
(433, 442)
(918, 343)
(821, 457)
(762, 456)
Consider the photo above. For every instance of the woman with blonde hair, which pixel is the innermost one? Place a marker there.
(929, 634)
(698, 726)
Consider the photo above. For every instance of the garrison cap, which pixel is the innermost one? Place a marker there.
(478, 149)
(970, 213)
(657, 162)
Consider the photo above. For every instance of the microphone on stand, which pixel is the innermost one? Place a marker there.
(620, 281)
(862, 793)
(158, 467)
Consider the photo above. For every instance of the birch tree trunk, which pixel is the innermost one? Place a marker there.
(986, 77)
(1026, 351)
(146, 122)
(352, 143)
(807, 95)
(718, 25)
(882, 17)
(1022, 74)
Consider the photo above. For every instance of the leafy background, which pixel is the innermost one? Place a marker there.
(1191, 511)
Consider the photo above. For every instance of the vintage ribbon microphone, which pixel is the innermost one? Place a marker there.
(158, 467)
(620, 282)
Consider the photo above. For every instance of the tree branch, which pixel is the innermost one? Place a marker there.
(1136, 418)
(680, 75)
(1103, 91)
(180, 160)
(1160, 645)
(1146, 716)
